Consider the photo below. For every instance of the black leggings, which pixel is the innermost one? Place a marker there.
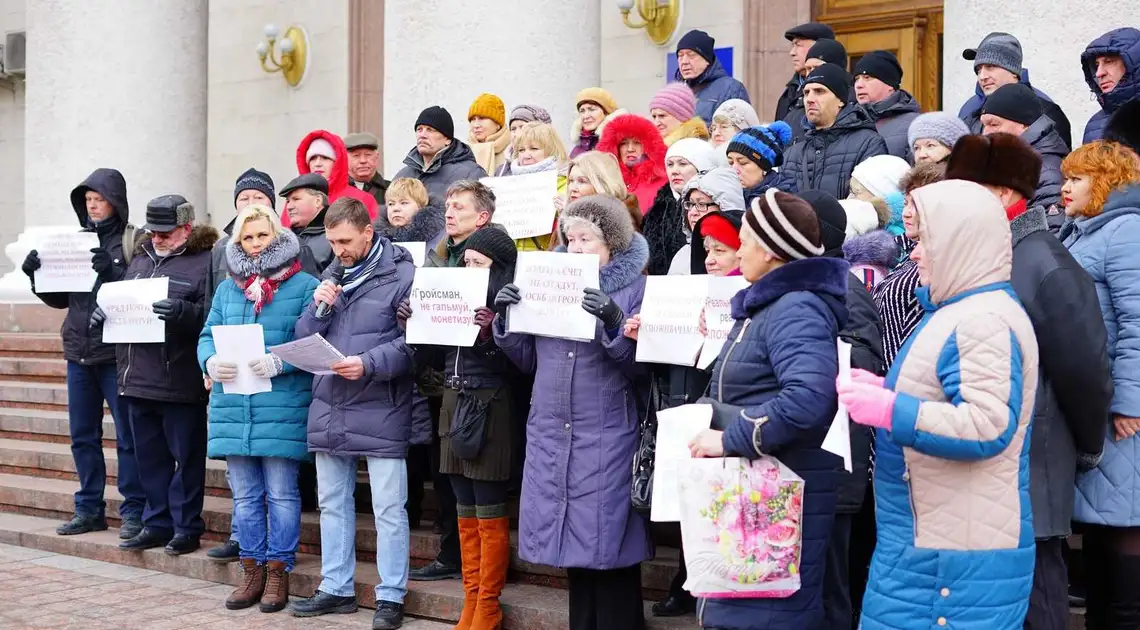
(606, 599)
(485, 499)
(1112, 579)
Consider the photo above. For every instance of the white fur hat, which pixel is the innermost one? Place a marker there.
(861, 216)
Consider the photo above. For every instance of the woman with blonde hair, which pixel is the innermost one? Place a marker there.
(537, 149)
(598, 173)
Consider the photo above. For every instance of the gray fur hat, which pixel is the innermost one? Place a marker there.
(944, 127)
(609, 215)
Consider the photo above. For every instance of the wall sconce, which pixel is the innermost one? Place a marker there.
(659, 18)
(293, 48)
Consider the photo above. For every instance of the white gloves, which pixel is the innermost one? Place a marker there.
(266, 366)
(220, 371)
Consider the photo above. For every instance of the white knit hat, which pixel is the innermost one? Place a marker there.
(881, 174)
(698, 152)
(861, 216)
(738, 113)
(320, 146)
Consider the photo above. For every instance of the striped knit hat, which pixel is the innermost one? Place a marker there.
(786, 225)
(764, 145)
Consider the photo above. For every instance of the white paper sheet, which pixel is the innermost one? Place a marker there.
(417, 249)
(838, 438)
(524, 204)
(65, 260)
(552, 285)
(670, 319)
(718, 316)
(443, 304)
(130, 316)
(239, 345)
(676, 427)
(312, 354)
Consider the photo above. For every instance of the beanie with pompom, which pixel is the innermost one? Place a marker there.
(764, 145)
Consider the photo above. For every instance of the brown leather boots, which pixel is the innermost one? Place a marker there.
(259, 583)
(276, 595)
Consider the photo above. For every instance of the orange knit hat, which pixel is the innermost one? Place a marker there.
(488, 106)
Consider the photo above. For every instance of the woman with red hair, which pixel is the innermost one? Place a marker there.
(639, 149)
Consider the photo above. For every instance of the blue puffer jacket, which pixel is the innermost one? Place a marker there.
(781, 365)
(1126, 43)
(1108, 247)
(713, 87)
(270, 424)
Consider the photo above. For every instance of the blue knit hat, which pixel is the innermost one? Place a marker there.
(254, 179)
(764, 145)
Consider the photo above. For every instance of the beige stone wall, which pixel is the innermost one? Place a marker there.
(11, 140)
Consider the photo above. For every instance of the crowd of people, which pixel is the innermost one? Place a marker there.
(984, 272)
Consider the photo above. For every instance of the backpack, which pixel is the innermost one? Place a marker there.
(129, 243)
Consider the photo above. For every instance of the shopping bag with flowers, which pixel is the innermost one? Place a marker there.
(741, 527)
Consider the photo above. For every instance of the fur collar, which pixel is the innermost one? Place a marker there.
(425, 227)
(576, 128)
(1028, 222)
(279, 255)
(694, 127)
(877, 248)
(826, 276)
(624, 266)
(651, 169)
(202, 239)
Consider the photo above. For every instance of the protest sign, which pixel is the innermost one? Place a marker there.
(670, 319)
(65, 260)
(443, 305)
(838, 438)
(676, 427)
(552, 286)
(240, 344)
(130, 316)
(418, 251)
(718, 316)
(524, 204)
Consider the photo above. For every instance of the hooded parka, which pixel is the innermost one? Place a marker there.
(1043, 137)
(1124, 42)
(892, 117)
(339, 183)
(646, 177)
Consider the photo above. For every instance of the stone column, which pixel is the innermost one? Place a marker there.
(110, 83)
(441, 52)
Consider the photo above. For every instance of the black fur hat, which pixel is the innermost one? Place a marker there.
(1000, 159)
(1124, 125)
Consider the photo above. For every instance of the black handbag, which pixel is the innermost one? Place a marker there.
(469, 425)
(641, 491)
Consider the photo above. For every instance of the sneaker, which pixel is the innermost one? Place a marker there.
(130, 528)
(80, 524)
(389, 616)
(228, 552)
(434, 572)
(322, 604)
(182, 544)
(147, 539)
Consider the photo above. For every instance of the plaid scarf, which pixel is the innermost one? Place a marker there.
(260, 289)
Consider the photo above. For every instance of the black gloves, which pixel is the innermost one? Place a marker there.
(601, 306)
(169, 310)
(31, 263)
(403, 312)
(507, 296)
(101, 262)
(97, 318)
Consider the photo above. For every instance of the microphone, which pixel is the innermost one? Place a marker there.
(336, 274)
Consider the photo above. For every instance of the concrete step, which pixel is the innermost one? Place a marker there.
(32, 395)
(45, 425)
(35, 343)
(34, 369)
(525, 606)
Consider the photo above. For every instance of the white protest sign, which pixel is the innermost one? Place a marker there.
(524, 204)
(65, 260)
(418, 250)
(130, 316)
(676, 427)
(443, 305)
(718, 316)
(552, 286)
(670, 319)
(313, 354)
(838, 438)
(239, 345)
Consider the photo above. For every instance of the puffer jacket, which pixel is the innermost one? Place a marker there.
(892, 117)
(780, 364)
(825, 159)
(81, 344)
(789, 97)
(339, 183)
(955, 544)
(1124, 42)
(645, 178)
(273, 423)
(453, 163)
(1043, 137)
(1108, 247)
(713, 87)
(970, 112)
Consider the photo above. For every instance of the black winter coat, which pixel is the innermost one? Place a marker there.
(864, 332)
(892, 117)
(826, 158)
(219, 271)
(316, 252)
(1042, 135)
(664, 229)
(788, 99)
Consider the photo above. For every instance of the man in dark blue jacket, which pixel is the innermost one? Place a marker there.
(1112, 70)
(699, 68)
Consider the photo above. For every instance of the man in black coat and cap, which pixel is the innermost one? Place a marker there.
(307, 200)
(802, 38)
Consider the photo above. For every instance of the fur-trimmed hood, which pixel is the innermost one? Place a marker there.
(425, 227)
(826, 277)
(625, 266)
(280, 254)
(877, 248)
(691, 128)
(649, 170)
(202, 239)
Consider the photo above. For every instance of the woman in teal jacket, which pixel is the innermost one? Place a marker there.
(261, 436)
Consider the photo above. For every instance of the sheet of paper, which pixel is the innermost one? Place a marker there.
(130, 316)
(838, 438)
(670, 319)
(312, 354)
(443, 304)
(552, 285)
(718, 316)
(524, 204)
(65, 260)
(418, 250)
(676, 427)
(240, 345)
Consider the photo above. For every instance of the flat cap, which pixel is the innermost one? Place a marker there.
(361, 140)
(311, 181)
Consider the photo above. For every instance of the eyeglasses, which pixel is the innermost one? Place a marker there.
(698, 205)
(161, 236)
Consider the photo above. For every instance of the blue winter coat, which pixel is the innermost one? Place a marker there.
(581, 435)
(970, 113)
(781, 364)
(713, 87)
(270, 424)
(1126, 43)
(1108, 247)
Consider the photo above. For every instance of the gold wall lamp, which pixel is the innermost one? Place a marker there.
(293, 51)
(659, 18)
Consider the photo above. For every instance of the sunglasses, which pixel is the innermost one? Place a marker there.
(161, 236)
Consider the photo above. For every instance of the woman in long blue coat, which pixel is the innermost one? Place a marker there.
(261, 436)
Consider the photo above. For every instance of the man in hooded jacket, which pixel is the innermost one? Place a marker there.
(1112, 70)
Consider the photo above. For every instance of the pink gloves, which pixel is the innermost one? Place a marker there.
(867, 378)
(867, 401)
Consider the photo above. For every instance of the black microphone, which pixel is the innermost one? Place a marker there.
(336, 274)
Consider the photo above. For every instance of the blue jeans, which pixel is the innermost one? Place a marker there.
(336, 482)
(267, 507)
(87, 387)
(233, 521)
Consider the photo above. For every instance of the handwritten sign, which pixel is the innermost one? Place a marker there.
(443, 305)
(524, 204)
(670, 319)
(718, 316)
(552, 286)
(418, 250)
(130, 316)
(65, 261)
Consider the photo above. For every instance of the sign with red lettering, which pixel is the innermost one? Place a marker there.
(670, 319)
(718, 316)
(552, 286)
(443, 303)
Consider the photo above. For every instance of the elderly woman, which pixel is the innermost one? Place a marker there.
(732, 117)
(715, 191)
(955, 527)
(664, 226)
(596, 107)
(488, 134)
(261, 436)
(583, 430)
(538, 149)
(673, 111)
(640, 151)
(933, 135)
(1102, 198)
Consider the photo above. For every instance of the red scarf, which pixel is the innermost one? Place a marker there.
(1016, 210)
(260, 289)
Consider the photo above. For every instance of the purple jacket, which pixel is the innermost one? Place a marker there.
(582, 431)
(372, 416)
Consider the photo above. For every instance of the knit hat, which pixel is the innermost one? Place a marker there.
(721, 185)
(494, 244)
(1000, 159)
(1014, 101)
(439, 119)
(529, 113)
(677, 100)
(944, 127)
(698, 152)
(881, 65)
(829, 51)
(700, 42)
(361, 140)
(832, 220)
(997, 49)
(488, 106)
(738, 112)
(833, 78)
(862, 217)
(609, 215)
(254, 179)
(599, 97)
(881, 174)
(812, 30)
(322, 147)
(720, 227)
(785, 224)
(764, 145)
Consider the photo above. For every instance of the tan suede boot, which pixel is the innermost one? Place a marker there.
(495, 559)
(469, 548)
(276, 594)
(250, 588)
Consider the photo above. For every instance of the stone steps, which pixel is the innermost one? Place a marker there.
(35, 369)
(45, 425)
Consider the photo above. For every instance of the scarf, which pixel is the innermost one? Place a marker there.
(538, 167)
(260, 289)
(356, 275)
(1016, 210)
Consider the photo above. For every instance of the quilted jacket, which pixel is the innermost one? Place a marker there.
(1043, 137)
(1108, 247)
(955, 527)
(825, 159)
(713, 87)
(1126, 43)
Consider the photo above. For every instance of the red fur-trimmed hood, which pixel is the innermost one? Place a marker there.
(651, 170)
